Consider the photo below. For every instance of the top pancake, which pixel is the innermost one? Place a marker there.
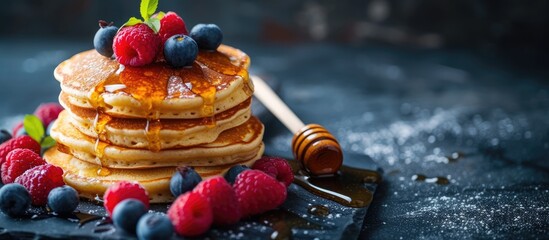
(217, 80)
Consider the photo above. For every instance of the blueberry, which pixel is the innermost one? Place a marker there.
(63, 200)
(230, 176)
(154, 226)
(14, 199)
(103, 39)
(4, 136)
(207, 36)
(180, 50)
(126, 214)
(184, 180)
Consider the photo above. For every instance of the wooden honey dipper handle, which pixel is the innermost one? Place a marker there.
(316, 149)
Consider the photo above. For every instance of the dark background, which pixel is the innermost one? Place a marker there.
(36, 35)
(498, 28)
(407, 83)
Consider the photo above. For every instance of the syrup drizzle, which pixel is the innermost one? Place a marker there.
(77, 217)
(99, 124)
(194, 78)
(152, 130)
(99, 153)
(346, 188)
(101, 120)
(148, 85)
(152, 84)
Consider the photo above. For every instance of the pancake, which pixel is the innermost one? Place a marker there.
(216, 81)
(83, 176)
(131, 133)
(233, 145)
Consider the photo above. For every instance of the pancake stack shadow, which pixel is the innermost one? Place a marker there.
(139, 124)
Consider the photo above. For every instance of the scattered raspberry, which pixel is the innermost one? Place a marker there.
(258, 192)
(276, 167)
(136, 45)
(18, 142)
(123, 190)
(222, 198)
(171, 24)
(191, 214)
(18, 130)
(17, 162)
(40, 180)
(47, 112)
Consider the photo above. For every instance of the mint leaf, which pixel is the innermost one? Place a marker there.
(147, 8)
(34, 127)
(48, 142)
(154, 24)
(132, 21)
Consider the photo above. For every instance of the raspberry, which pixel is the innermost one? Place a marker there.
(123, 190)
(40, 180)
(136, 45)
(17, 162)
(191, 214)
(171, 24)
(18, 130)
(222, 198)
(258, 192)
(18, 142)
(276, 167)
(47, 112)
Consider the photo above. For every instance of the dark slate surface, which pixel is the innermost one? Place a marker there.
(408, 110)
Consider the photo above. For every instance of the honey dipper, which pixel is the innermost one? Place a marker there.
(314, 147)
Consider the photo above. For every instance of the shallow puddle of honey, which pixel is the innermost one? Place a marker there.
(347, 187)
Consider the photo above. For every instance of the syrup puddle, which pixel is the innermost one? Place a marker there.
(318, 210)
(76, 217)
(348, 187)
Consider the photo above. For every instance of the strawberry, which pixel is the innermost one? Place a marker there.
(123, 190)
(136, 45)
(258, 192)
(18, 142)
(222, 198)
(191, 214)
(17, 162)
(40, 180)
(276, 167)
(47, 112)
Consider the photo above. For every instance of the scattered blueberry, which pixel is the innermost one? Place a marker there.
(48, 130)
(184, 180)
(63, 200)
(14, 199)
(180, 50)
(4, 136)
(154, 226)
(126, 214)
(207, 36)
(230, 176)
(104, 38)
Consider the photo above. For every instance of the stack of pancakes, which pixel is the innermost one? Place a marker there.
(140, 123)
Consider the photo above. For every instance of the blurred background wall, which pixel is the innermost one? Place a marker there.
(517, 30)
(373, 41)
